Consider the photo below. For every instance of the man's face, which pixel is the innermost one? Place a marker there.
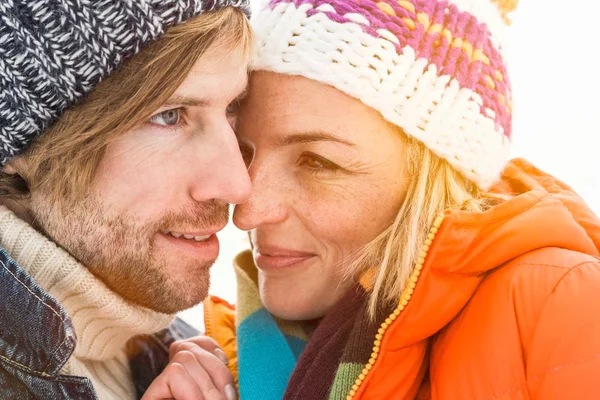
(161, 192)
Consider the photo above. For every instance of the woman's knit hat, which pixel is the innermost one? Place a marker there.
(53, 52)
(435, 68)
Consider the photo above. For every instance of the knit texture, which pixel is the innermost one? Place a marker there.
(103, 320)
(276, 360)
(54, 52)
(434, 68)
(268, 348)
(338, 350)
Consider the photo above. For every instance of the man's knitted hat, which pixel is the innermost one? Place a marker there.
(53, 52)
(434, 68)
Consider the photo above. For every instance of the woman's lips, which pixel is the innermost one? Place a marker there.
(274, 258)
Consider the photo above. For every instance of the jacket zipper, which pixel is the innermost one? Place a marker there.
(406, 295)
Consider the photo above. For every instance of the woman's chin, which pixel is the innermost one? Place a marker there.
(291, 301)
(294, 311)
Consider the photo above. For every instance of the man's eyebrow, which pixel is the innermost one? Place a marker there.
(186, 101)
(309, 137)
(196, 102)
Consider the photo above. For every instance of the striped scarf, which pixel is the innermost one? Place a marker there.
(276, 360)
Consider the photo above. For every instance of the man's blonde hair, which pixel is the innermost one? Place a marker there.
(434, 186)
(64, 159)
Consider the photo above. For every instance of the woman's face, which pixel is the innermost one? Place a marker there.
(329, 175)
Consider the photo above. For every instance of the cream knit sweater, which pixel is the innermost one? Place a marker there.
(103, 320)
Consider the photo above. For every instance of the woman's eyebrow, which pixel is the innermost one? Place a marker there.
(309, 137)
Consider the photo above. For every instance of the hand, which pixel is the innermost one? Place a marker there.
(197, 371)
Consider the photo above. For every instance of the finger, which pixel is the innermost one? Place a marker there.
(159, 389)
(173, 383)
(182, 384)
(173, 349)
(204, 342)
(218, 372)
(200, 376)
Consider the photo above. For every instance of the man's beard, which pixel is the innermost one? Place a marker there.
(121, 250)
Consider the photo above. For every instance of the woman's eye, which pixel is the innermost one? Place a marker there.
(167, 118)
(247, 149)
(316, 162)
(232, 112)
(232, 107)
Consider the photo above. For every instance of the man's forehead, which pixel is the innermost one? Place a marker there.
(206, 90)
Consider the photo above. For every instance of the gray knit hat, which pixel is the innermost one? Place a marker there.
(53, 52)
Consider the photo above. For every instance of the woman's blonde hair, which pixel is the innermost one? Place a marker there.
(434, 186)
(64, 159)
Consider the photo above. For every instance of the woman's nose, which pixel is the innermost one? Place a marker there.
(266, 204)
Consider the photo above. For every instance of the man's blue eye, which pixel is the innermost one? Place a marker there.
(166, 118)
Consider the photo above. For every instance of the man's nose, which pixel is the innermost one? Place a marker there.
(225, 175)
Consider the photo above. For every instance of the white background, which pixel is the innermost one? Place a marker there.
(553, 59)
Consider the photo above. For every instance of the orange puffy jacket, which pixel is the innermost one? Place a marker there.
(506, 304)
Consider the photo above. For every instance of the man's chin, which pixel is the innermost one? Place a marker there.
(182, 293)
(165, 308)
(175, 283)
(172, 301)
(167, 292)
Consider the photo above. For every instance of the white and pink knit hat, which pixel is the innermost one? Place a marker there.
(434, 68)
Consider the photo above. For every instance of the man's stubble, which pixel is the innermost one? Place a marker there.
(121, 251)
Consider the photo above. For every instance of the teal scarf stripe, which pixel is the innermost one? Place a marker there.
(296, 344)
(266, 357)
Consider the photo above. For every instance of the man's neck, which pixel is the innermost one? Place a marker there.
(20, 208)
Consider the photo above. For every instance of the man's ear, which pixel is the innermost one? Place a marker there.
(15, 166)
(15, 189)
(9, 168)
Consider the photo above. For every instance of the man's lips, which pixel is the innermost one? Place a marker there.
(207, 249)
(275, 257)
(199, 244)
(198, 235)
